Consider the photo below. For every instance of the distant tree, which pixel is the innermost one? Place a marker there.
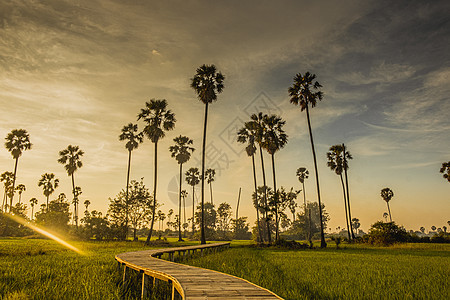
(193, 178)
(181, 151)
(422, 229)
(247, 134)
(386, 233)
(444, 228)
(224, 220)
(86, 204)
(71, 159)
(130, 134)
(305, 92)
(33, 202)
(161, 217)
(49, 183)
(184, 194)
(17, 141)
(209, 220)
(158, 119)
(241, 228)
(275, 140)
(7, 179)
(207, 83)
(210, 173)
(96, 226)
(56, 215)
(433, 228)
(302, 175)
(356, 224)
(385, 216)
(292, 207)
(299, 227)
(387, 195)
(283, 200)
(20, 189)
(170, 214)
(445, 169)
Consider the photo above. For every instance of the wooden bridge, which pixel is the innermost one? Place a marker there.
(189, 282)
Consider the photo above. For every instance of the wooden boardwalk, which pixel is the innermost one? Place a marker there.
(189, 282)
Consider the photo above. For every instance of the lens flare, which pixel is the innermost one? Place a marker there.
(44, 232)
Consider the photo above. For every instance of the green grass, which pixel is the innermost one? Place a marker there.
(413, 271)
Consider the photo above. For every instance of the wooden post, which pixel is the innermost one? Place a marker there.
(173, 289)
(144, 286)
(124, 273)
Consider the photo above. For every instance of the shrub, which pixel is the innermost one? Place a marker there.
(387, 234)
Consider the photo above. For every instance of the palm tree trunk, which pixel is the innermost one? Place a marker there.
(346, 212)
(323, 244)
(389, 210)
(260, 239)
(348, 194)
(20, 197)
(14, 183)
(179, 206)
(184, 214)
(269, 238)
(47, 202)
(277, 235)
(4, 202)
(309, 216)
(32, 212)
(202, 225)
(193, 210)
(210, 189)
(75, 212)
(149, 236)
(126, 199)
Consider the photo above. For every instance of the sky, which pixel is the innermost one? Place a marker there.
(76, 72)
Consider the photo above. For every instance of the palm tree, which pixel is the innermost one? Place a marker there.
(303, 174)
(210, 173)
(182, 152)
(87, 203)
(193, 178)
(158, 119)
(129, 134)
(387, 195)
(305, 92)
(184, 194)
(49, 183)
(71, 159)
(33, 202)
(445, 169)
(347, 156)
(7, 179)
(207, 83)
(385, 215)
(17, 141)
(247, 134)
(275, 139)
(260, 130)
(20, 189)
(336, 164)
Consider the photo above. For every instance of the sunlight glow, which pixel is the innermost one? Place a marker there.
(43, 232)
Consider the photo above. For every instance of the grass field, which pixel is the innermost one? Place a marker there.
(413, 271)
(42, 269)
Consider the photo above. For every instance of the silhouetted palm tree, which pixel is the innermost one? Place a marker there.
(247, 134)
(33, 202)
(184, 194)
(158, 119)
(49, 183)
(387, 195)
(207, 83)
(20, 189)
(193, 178)
(446, 170)
(385, 216)
(17, 141)
(71, 159)
(347, 156)
(133, 138)
(336, 163)
(182, 152)
(7, 179)
(87, 203)
(260, 138)
(275, 139)
(302, 175)
(305, 92)
(210, 173)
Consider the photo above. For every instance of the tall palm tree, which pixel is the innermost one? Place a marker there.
(207, 83)
(336, 163)
(260, 130)
(302, 175)
(247, 134)
(133, 138)
(184, 194)
(7, 179)
(71, 159)
(387, 195)
(210, 173)
(347, 156)
(445, 169)
(20, 189)
(193, 178)
(33, 202)
(275, 139)
(49, 183)
(305, 92)
(182, 152)
(158, 119)
(17, 141)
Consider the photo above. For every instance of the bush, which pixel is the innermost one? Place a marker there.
(386, 234)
